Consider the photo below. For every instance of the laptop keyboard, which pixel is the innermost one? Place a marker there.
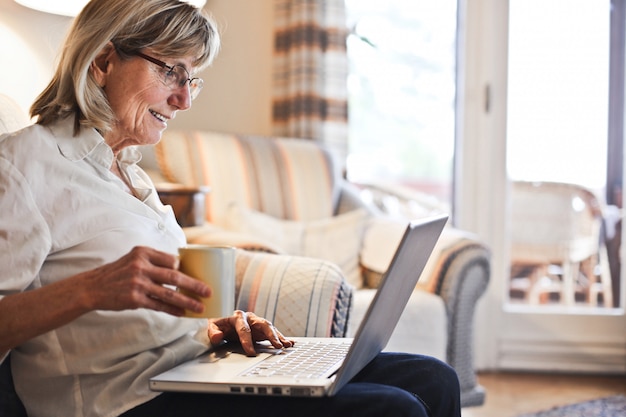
(306, 360)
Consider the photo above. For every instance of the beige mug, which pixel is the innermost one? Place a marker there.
(215, 266)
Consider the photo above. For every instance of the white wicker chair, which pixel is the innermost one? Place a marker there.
(556, 233)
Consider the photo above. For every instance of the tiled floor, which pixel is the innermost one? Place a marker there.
(510, 394)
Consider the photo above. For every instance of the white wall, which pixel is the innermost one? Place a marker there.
(237, 91)
(28, 47)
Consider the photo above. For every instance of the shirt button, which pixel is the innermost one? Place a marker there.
(161, 227)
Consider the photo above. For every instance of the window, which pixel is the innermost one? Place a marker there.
(402, 93)
(558, 91)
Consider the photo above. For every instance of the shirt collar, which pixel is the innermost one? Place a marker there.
(76, 148)
(89, 143)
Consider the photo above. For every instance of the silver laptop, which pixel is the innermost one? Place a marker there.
(296, 371)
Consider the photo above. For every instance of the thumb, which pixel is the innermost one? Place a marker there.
(216, 336)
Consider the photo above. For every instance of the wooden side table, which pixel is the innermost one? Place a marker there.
(188, 203)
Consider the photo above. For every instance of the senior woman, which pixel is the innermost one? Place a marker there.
(87, 250)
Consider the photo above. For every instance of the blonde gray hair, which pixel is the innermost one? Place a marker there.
(172, 28)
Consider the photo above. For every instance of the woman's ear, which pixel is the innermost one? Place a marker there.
(100, 65)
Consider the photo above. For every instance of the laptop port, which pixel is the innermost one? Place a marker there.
(300, 392)
(235, 389)
(262, 390)
(277, 390)
(249, 390)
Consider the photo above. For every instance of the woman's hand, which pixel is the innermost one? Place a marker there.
(246, 328)
(144, 278)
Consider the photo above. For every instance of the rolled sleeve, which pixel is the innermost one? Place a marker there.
(25, 239)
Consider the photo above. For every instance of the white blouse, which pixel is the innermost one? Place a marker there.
(63, 212)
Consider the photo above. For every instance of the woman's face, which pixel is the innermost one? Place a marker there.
(142, 103)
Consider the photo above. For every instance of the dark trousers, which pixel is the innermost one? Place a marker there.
(392, 384)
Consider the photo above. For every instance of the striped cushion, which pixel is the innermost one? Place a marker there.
(292, 179)
(301, 296)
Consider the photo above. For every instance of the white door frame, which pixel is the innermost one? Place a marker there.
(508, 339)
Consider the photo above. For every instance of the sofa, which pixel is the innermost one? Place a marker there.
(311, 245)
(287, 196)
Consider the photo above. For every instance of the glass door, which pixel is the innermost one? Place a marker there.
(558, 332)
(562, 224)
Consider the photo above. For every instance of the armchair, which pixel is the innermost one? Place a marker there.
(286, 196)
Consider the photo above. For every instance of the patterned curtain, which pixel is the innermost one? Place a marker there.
(310, 72)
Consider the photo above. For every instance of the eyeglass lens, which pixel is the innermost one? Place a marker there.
(177, 77)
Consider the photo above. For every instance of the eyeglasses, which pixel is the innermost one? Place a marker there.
(176, 76)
